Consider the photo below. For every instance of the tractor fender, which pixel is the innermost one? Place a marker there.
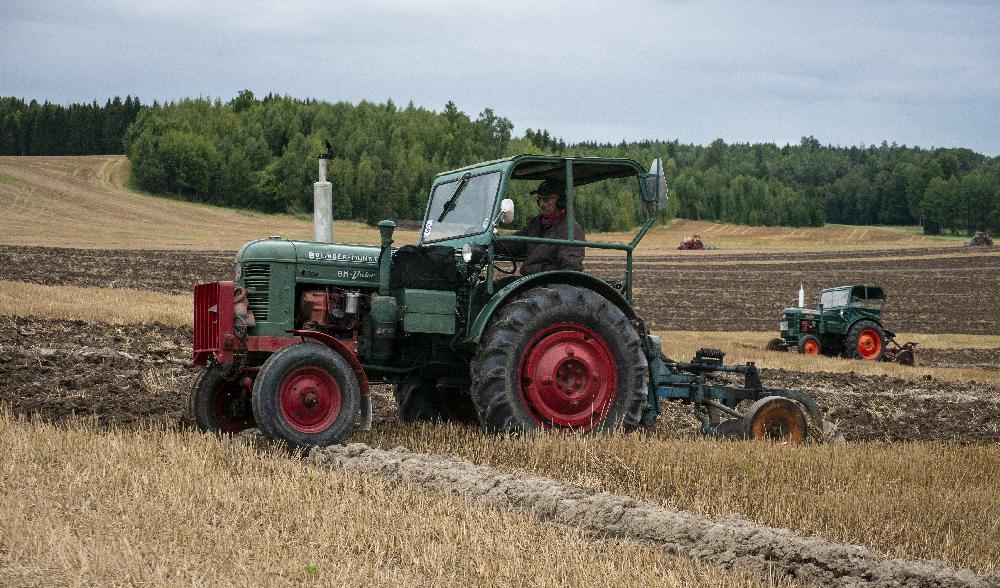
(359, 370)
(541, 279)
(864, 318)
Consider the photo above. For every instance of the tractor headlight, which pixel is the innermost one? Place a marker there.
(237, 271)
(472, 253)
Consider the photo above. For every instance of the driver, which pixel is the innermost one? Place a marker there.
(551, 223)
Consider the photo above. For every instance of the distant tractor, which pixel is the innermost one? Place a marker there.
(845, 324)
(980, 239)
(691, 242)
(292, 344)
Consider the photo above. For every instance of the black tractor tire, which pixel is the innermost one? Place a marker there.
(306, 394)
(810, 345)
(219, 405)
(421, 400)
(866, 340)
(559, 357)
(416, 401)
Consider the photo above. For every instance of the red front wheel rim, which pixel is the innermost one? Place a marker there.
(568, 377)
(310, 399)
(869, 344)
(810, 348)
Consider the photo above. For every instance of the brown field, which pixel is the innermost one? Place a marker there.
(94, 324)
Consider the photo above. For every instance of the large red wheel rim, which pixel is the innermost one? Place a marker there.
(309, 399)
(810, 347)
(567, 377)
(869, 344)
(231, 410)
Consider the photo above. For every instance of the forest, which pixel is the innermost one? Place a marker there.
(259, 153)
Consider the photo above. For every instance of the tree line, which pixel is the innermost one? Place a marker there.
(260, 153)
(30, 128)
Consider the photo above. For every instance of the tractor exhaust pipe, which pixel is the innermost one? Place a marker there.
(323, 201)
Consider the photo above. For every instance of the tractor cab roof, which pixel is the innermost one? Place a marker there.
(586, 170)
(861, 291)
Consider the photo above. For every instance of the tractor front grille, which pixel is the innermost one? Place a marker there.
(213, 317)
(257, 279)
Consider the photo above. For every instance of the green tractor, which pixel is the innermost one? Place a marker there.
(294, 342)
(847, 323)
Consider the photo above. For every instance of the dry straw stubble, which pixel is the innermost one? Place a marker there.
(161, 507)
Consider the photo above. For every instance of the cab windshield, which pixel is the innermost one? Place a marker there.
(835, 299)
(461, 207)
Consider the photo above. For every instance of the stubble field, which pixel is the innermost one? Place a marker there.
(68, 355)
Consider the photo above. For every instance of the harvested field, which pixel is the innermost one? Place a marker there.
(158, 507)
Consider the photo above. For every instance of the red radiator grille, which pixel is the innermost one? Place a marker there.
(213, 318)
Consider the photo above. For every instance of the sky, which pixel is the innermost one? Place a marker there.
(924, 73)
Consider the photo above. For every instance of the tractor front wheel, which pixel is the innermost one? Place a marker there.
(559, 357)
(809, 345)
(306, 394)
(220, 405)
(865, 340)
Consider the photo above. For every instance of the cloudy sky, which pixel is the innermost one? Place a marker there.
(915, 72)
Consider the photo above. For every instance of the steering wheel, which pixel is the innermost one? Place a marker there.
(513, 262)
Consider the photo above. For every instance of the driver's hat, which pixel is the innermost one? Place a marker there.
(549, 187)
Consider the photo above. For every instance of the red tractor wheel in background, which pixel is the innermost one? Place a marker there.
(809, 345)
(306, 394)
(220, 405)
(865, 340)
(776, 418)
(559, 357)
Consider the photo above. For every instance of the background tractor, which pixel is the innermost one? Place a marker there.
(847, 323)
(292, 344)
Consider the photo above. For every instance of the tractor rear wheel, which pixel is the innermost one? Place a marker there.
(306, 394)
(809, 345)
(220, 405)
(559, 357)
(776, 418)
(865, 340)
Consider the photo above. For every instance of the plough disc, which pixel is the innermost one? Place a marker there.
(776, 418)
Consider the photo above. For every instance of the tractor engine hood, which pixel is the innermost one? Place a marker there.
(795, 310)
(309, 252)
(327, 263)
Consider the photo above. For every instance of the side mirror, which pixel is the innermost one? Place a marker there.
(506, 211)
(656, 185)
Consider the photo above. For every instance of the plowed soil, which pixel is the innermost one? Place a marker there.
(135, 373)
(930, 290)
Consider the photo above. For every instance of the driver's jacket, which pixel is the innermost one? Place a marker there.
(542, 257)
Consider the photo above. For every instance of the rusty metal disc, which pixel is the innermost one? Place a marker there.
(776, 418)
